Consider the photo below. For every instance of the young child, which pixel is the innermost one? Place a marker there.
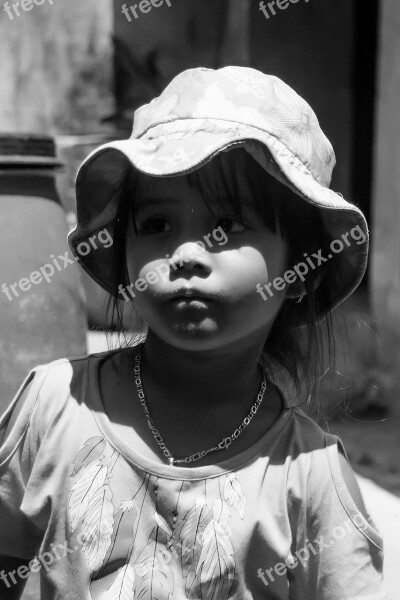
(175, 467)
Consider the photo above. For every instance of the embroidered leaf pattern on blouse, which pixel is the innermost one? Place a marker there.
(97, 528)
(124, 519)
(234, 495)
(195, 541)
(216, 567)
(122, 588)
(155, 580)
(83, 491)
(221, 513)
(124, 531)
(93, 448)
(162, 523)
(190, 539)
(90, 501)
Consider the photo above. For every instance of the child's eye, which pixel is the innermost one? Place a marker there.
(231, 224)
(154, 225)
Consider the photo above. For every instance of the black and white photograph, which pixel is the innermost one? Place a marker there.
(199, 299)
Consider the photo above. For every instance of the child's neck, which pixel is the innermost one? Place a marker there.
(224, 377)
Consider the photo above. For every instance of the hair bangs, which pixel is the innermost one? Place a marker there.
(234, 178)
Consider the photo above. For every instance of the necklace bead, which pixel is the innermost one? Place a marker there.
(224, 443)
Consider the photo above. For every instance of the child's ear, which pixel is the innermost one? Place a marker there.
(297, 289)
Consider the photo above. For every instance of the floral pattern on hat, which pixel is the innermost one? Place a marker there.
(216, 104)
(247, 83)
(237, 95)
(296, 124)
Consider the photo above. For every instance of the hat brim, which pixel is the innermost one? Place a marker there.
(176, 153)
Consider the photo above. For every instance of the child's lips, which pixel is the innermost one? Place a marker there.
(193, 303)
(190, 294)
(191, 299)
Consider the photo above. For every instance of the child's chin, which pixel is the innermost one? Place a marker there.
(195, 335)
(201, 327)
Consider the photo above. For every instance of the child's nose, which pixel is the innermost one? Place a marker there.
(191, 256)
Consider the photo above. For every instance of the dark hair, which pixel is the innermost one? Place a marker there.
(304, 352)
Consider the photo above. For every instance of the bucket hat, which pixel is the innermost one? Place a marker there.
(201, 113)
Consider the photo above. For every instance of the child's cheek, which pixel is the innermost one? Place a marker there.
(261, 262)
(150, 275)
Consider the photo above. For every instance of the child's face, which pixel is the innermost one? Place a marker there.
(218, 259)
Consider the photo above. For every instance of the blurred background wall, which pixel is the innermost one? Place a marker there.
(56, 66)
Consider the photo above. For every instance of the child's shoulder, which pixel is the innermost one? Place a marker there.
(73, 377)
(61, 376)
(307, 435)
(317, 452)
(321, 448)
(62, 371)
(80, 361)
(51, 390)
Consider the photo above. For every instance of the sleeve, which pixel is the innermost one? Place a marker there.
(339, 551)
(19, 442)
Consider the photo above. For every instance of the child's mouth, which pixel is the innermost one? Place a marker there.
(189, 295)
(192, 303)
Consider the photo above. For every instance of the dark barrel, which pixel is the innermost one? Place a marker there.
(42, 315)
